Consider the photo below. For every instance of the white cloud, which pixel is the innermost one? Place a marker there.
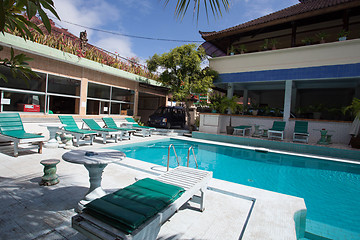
(94, 14)
(119, 44)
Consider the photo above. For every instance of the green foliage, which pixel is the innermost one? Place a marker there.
(182, 71)
(12, 19)
(18, 66)
(343, 33)
(354, 107)
(322, 35)
(67, 44)
(11, 15)
(213, 5)
(221, 103)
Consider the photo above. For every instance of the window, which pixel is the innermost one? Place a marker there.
(103, 99)
(43, 93)
(63, 94)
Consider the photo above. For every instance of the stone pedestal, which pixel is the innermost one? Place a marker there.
(50, 177)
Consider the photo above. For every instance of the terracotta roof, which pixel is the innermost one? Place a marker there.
(305, 6)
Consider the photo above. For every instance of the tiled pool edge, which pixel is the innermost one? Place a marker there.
(285, 146)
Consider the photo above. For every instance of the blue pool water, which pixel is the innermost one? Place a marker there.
(331, 190)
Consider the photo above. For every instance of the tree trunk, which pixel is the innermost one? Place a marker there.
(187, 111)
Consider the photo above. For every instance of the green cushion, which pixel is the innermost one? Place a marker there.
(10, 122)
(110, 123)
(21, 134)
(81, 131)
(278, 126)
(94, 126)
(301, 127)
(242, 127)
(71, 125)
(128, 208)
(12, 126)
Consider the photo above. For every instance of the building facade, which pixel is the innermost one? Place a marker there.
(295, 61)
(68, 84)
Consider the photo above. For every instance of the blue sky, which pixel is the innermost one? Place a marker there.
(149, 18)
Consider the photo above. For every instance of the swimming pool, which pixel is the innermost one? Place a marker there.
(331, 189)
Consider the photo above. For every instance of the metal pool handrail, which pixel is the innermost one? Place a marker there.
(168, 160)
(188, 157)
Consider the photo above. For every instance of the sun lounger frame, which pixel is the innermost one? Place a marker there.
(114, 135)
(192, 180)
(242, 131)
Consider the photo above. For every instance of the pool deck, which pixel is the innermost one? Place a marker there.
(233, 211)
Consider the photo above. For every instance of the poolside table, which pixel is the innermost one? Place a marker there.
(52, 128)
(94, 161)
(325, 138)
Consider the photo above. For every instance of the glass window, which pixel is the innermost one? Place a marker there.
(92, 107)
(98, 91)
(119, 94)
(23, 102)
(34, 84)
(63, 105)
(62, 85)
(115, 108)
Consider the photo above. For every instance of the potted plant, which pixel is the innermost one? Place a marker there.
(231, 104)
(354, 108)
(343, 35)
(232, 50)
(307, 41)
(316, 110)
(242, 49)
(322, 36)
(265, 45)
(273, 43)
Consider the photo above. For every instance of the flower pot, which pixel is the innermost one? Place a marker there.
(255, 112)
(229, 130)
(355, 142)
(342, 38)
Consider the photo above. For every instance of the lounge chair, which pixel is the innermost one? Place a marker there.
(145, 131)
(105, 132)
(79, 134)
(110, 123)
(139, 210)
(277, 130)
(12, 129)
(301, 133)
(242, 129)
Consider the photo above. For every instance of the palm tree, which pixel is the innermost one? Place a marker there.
(214, 5)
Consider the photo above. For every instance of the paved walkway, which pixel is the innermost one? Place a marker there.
(30, 211)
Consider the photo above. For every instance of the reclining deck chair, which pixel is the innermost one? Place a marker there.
(72, 128)
(145, 131)
(104, 132)
(277, 130)
(12, 129)
(242, 129)
(301, 133)
(110, 123)
(139, 210)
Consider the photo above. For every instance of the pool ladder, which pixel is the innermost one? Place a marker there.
(177, 159)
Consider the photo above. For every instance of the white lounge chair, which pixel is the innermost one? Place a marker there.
(94, 225)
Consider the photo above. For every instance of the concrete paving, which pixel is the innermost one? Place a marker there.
(233, 211)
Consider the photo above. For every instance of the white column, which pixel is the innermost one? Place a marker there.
(287, 99)
(245, 97)
(230, 93)
(230, 90)
(293, 99)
